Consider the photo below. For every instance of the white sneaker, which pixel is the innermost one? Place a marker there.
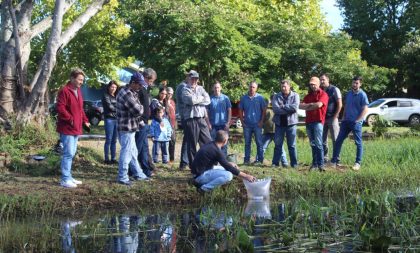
(77, 182)
(356, 167)
(68, 184)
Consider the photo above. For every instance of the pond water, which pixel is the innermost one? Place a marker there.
(256, 226)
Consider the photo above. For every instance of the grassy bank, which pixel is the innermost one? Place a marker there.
(29, 187)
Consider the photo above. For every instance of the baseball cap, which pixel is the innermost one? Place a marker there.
(193, 74)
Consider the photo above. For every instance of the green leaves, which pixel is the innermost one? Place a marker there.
(385, 28)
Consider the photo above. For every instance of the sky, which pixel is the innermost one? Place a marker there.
(332, 13)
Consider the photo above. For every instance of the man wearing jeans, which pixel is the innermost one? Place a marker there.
(354, 112)
(315, 104)
(71, 117)
(252, 112)
(220, 113)
(129, 112)
(285, 106)
(146, 80)
(333, 110)
(207, 174)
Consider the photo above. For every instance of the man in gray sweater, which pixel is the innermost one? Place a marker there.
(285, 106)
(195, 99)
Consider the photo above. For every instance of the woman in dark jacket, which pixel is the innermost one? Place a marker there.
(109, 102)
(159, 102)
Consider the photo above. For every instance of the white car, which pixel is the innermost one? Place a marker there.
(401, 110)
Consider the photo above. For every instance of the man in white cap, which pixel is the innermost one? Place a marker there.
(195, 100)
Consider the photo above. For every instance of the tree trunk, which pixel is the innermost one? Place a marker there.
(32, 106)
(36, 98)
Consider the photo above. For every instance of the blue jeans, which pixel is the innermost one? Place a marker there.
(248, 131)
(290, 132)
(163, 146)
(266, 140)
(214, 177)
(128, 157)
(213, 132)
(345, 128)
(110, 139)
(69, 150)
(314, 131)
(142, 144)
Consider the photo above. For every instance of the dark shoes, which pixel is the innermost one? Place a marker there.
(182, 167)
(128, 183)
(111, 162)
(197, 185)
(317, 168)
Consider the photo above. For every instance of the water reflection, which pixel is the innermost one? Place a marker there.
(259, 208)
(66, 237)
(257, 226)
(125, 237)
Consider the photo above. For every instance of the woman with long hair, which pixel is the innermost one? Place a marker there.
(109, 101)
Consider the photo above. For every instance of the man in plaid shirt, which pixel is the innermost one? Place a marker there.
(129, 111)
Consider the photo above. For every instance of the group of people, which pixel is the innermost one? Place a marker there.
(205, 121)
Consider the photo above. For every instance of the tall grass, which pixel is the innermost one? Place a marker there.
(388, 164)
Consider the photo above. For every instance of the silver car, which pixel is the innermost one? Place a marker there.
(401, 110)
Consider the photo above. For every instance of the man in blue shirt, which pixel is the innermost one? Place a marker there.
(252, 112)
(354, 112)
(219, 113)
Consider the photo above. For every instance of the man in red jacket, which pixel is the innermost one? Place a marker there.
(71, 118)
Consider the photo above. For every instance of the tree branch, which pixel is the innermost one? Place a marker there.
(17, 50)
(45, 24)
(72, 30)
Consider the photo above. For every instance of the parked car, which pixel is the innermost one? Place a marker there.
(235, 121)
(98, 103)
(93, 113)
(400, 110)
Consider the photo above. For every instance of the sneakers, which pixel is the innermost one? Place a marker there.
(76, 182)
(68, 184)
(142, 178)
(356, 167)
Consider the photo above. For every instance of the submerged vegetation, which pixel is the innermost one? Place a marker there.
(380, 222)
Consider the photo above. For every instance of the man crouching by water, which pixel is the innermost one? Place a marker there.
(207, 175)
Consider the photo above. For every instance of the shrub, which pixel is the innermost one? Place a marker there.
(381, 125)
(20, 140)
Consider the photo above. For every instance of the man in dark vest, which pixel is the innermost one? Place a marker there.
(146, 80)
(333, 110)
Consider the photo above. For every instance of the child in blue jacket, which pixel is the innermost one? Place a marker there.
(161, 132)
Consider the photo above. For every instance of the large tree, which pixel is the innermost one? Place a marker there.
(22, 94)
(385, 27)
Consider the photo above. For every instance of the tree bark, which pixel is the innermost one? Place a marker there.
(29, 108)
(17, 48)
(18, 54)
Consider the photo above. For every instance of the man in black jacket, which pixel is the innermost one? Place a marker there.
(146, 80)
(207, 175)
